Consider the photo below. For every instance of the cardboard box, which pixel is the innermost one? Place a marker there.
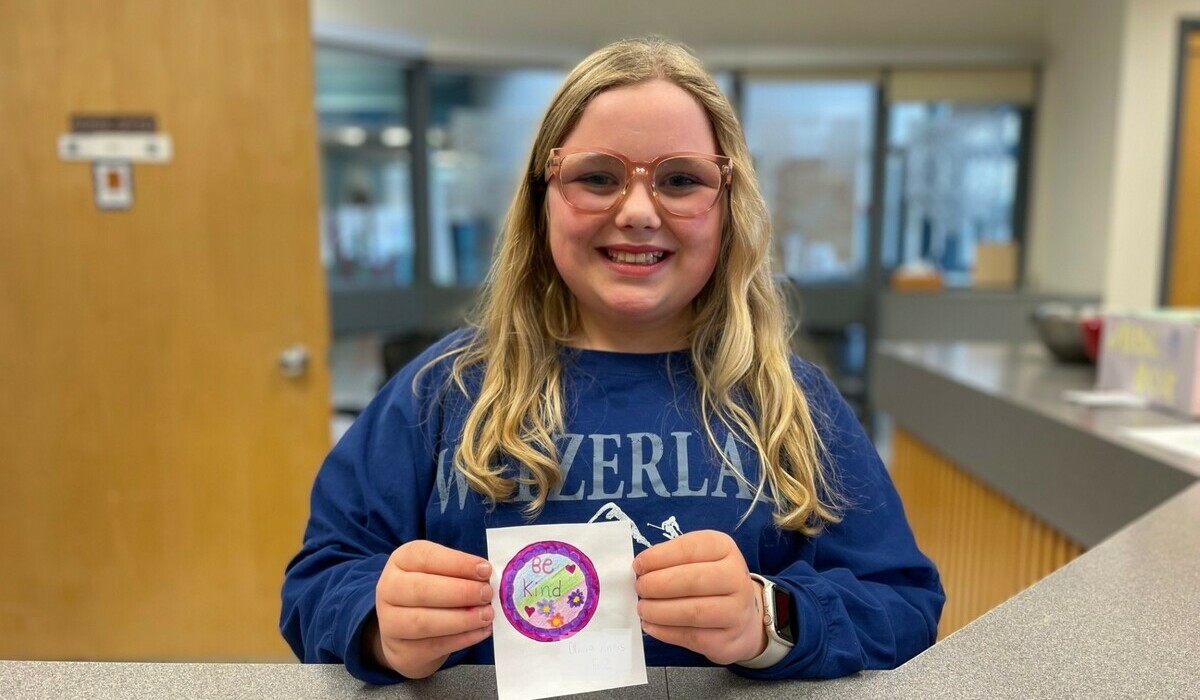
(995, 265)
(1155, 355)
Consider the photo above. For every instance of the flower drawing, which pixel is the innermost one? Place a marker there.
(575, 599)
(556, 620)
(545, 607)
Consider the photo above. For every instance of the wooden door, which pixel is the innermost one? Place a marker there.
(1183, 281)
(156, 463)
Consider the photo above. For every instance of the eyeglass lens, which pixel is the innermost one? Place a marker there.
(685, 186)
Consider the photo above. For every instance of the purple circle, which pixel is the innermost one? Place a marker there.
(549, 591)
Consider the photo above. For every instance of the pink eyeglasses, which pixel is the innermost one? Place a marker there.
(596, 180)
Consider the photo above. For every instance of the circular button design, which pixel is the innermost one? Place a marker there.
(549, 591)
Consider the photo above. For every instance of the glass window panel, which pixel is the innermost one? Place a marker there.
(812, 143)
(366, 174)
(482, 126)
(951, 184)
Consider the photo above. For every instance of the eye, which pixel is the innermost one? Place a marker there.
(680, 177)
(594, 172)
(597, 179)
(679, 181)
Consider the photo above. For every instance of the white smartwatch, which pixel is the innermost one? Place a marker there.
(780, 623)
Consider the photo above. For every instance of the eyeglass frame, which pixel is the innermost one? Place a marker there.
(635, 169)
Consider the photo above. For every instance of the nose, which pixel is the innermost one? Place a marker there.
(638, 210)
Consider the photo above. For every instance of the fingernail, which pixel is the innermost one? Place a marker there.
(485, 594)
(637, 567)
(483, 569)
(487, 614)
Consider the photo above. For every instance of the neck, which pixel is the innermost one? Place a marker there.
(632, 338)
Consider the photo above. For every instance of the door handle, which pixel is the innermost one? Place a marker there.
(293, 361)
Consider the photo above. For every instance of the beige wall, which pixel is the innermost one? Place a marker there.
(1103, 151)
(1071, 190)
(753, 31)
(1142, 153)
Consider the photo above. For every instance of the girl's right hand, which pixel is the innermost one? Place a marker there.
(430, 601)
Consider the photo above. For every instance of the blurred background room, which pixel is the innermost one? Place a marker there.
(297, 198)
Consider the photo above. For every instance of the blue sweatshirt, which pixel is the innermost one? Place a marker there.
(633, 450)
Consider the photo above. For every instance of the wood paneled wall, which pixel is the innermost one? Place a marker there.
(986, 548)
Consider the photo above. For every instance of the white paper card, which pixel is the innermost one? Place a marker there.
(1184, 439)
(1105, 399)
(566, 610)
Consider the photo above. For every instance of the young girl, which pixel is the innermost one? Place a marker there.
(630, 362)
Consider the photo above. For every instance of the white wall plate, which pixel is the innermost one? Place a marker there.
(132, 147)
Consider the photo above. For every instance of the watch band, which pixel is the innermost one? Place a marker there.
(777, 646)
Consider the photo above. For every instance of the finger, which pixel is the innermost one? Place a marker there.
(711, 612)
(690, 580)
(706, 545)
(432, 558)
(425, 623)
(436, 649)
(420, 590)
(441, 646)
(713, 644)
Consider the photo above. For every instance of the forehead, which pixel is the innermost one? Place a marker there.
(644, 121)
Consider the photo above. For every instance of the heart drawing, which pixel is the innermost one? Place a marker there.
(571, 568)
(529, 611)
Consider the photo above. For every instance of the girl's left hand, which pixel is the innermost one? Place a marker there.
(696, 592)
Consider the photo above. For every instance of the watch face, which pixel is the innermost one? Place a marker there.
(785, 625)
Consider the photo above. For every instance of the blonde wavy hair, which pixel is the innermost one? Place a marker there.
(738, 337)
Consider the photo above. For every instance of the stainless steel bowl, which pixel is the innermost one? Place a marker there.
(1060, 327)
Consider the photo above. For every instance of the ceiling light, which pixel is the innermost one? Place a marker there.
(352, 135)
(396, 136)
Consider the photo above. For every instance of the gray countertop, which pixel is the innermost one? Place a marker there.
(1120, 621)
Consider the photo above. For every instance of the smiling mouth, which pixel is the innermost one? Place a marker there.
(635, 258)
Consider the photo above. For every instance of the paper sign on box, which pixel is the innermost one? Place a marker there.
(1154, 355)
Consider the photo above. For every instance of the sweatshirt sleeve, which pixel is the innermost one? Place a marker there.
(865, 595)
(367, 500)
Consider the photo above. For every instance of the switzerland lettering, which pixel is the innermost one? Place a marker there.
(631, 465)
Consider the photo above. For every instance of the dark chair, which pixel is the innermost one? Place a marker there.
(400, 349)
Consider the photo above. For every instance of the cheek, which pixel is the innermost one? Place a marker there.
(705, 239)
(568, 232)
(566, 243)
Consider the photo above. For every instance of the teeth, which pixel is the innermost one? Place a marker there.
(635, 258)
